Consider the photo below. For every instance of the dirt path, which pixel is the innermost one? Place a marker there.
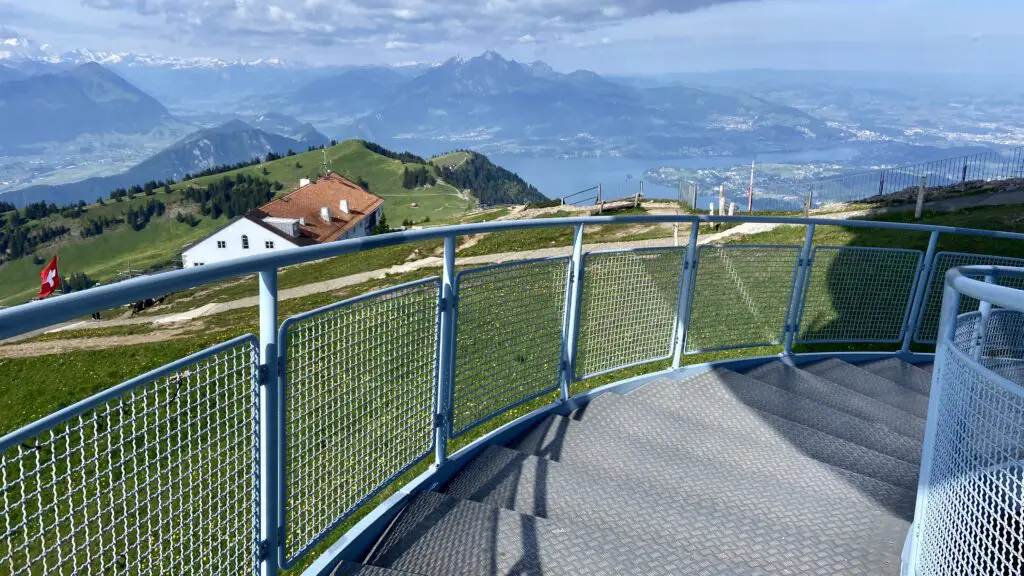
(45, 348)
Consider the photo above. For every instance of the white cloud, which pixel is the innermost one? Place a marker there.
(398, 45)
(526, 39)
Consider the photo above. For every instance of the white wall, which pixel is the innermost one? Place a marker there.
(207, 252)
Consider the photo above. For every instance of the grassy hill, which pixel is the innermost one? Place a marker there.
(161, 241)
(352, 160)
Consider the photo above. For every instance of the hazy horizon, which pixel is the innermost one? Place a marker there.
(650, 37)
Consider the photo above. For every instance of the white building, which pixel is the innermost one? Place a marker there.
(332, 208)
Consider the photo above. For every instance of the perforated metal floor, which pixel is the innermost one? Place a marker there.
(795, 473)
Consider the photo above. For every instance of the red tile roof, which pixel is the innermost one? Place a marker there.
(306, 202)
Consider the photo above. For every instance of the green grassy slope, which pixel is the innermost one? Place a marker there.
(102, 257)
(450, 159)
(162, 240)
(352, 160)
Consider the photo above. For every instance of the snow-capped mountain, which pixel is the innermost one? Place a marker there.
(15, 48)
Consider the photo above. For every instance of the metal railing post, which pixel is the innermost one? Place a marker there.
(981, 333)
(947, 329)
(683, 305)
(573, 305)
(917, 307)
(803, 267)
(446, 355)
(271, 423)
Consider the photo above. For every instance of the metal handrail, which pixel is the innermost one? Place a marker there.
(34, 315)
(963, 281)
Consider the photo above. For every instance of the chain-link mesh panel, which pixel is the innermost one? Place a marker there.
(741, 296)
(858, 294)
(508, 337)
(359, 398)
(156, 476)
(972, 520)
(628, 308)
(928, 327)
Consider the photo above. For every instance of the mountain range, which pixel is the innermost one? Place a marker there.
(489, 99)
(63, 105)
(488, 103)
(229, 143)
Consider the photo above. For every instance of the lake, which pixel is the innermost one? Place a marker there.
(556, 177)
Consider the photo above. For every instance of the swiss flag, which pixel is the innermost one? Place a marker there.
(50, 277)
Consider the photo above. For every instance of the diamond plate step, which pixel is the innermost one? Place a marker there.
(709, 399)
(839, 397)
(659, 443)
(439, 535)
(901, 373)
(882, 389)
(813, 414)
(684, 516)
(354, 569)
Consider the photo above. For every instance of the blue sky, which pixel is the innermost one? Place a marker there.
(611, 36)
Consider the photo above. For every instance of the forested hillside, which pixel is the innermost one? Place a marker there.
(489, 183)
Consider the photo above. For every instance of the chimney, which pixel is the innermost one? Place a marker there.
(303, 182)
(325, 214)
(302, 221)
(343, 206)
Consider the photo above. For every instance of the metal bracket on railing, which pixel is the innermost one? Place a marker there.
(796, 302)
(445, 353)
(271, 425)
(917, 307)
(571, 325)
(687, 279)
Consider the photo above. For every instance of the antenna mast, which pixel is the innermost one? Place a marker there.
(750, 191)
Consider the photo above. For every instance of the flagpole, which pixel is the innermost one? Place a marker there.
(60, 280)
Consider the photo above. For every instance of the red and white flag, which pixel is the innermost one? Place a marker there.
(50, 277)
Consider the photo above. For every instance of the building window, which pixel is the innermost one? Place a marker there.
(245, 242)
(222, 244)
(269, 245)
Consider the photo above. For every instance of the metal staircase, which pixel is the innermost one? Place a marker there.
(781, 470)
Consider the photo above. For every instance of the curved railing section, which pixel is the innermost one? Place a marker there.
(970, 509)
(253, 455)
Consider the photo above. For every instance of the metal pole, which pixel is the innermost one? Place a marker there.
(919, 209)
(446, 355)
(271, 423)
(687, 280)
(947, 329)
(981, 335)
(570, 330)
(919, 291)
(803, 267)
(693, 195)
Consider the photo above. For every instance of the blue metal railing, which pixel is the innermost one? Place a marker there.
(371, 385)
(970, 498)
